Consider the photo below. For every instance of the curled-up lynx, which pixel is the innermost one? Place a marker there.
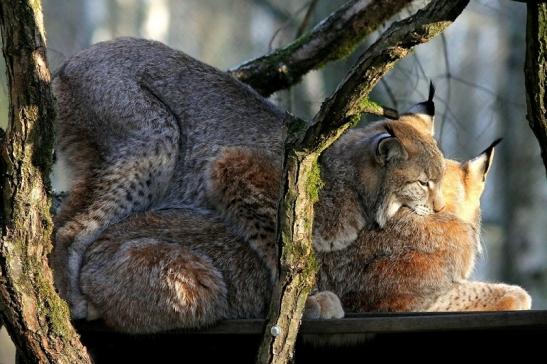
(183, 268)
(189, 267)
(422, 263)
(147, 128)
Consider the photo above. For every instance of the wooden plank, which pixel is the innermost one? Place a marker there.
(374, 323)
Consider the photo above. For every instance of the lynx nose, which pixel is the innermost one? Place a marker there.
(438, 203)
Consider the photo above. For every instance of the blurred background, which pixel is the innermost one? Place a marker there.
(476, 66)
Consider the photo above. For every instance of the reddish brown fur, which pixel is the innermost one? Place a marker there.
(177, 268)
(422, 263)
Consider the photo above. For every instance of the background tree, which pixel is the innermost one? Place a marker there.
(36, 317)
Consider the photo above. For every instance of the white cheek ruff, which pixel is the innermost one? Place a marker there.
(421, 210)
(392, 208)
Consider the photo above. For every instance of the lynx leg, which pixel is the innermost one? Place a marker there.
(323, 305)
(127, 186)
(480, 296)
(147, 285)
(244, 186)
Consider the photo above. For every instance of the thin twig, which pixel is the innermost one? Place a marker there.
(448, 84)
(289, 22)
(307, 18)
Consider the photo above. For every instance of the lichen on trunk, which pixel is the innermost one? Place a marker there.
(37, 320)
(338, 113)
(535, 71)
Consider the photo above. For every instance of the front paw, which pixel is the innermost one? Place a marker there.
(515, 299)
(323, 305)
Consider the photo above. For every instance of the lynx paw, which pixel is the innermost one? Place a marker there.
(515, 299)
(323, 305)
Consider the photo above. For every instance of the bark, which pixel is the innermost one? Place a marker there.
(36, 318)
(304, 146)
(332, 39)
(534, 70)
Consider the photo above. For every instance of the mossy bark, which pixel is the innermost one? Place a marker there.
(334, 38)
(37, 319)
(302, 178)
(298, 264)
(535, 71)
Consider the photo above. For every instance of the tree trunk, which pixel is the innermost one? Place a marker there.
(304, 145)
(534, 70)
(36, 318)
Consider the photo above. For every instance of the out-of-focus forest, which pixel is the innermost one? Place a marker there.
(476, 66)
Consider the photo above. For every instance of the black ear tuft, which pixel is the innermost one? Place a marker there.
(490, 148)
(426, 107)
(489, 153)
(429, 105)
(480, 165)
(431, 91)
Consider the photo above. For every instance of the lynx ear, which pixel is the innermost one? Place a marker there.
(424, 112)
(480, 165)
(388, 148)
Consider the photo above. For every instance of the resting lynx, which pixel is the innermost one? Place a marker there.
(147, 128)
(422, 263)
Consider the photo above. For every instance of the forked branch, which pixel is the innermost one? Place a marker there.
(304, 145)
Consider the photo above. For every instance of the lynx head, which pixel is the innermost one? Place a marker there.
(463, 184)
(404, 166)
(384, 166)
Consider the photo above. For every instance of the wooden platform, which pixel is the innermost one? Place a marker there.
(413, 335)
(374, 323)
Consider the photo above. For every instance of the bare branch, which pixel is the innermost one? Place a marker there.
(302, 179)
(534, 70)
(345, 107)
(332, 39)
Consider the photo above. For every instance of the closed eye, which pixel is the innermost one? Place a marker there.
(424, 183)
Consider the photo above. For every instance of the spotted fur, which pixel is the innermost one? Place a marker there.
(144, 127)
(183, 268)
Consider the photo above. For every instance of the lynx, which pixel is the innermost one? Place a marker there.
(422, 263)
(146, 129)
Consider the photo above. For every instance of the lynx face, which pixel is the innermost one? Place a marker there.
(421, 196)
(376, 171)
(406, 171)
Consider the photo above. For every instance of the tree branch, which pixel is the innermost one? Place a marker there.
(534, 70)
(332, 39)
(302, 177)
(345, 107)
(36, 318)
